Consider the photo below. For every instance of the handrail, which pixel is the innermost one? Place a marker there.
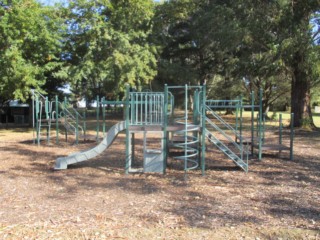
(171, 103)
(224, 134)
(146, 108)
(223, 103)
(69, 116)
(222, 121)
(228, 151)
(35, 92)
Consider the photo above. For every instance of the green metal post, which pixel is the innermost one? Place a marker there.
(291, 136)
(85, 122)
(33, 115)
(46, 108)
(48, 121)
(240, 128)
(237, 115)
(165, 124)
(280, 132)
(98, 116)
(263, 127)
(127, 129)
(77, 128)
(33, 123)
(133, 148)
(37, 119)
(65, 117)
(103, 116)
(57, 119)
(280, 128)
(260, 127)
(196, 120)
(185, 128)
(252, 122)
(196, 107)
(203, 130)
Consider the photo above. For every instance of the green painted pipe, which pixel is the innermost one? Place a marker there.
(57, 119)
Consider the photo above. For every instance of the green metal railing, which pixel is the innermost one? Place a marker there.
(146, 108)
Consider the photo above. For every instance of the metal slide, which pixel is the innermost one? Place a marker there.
(63, 162)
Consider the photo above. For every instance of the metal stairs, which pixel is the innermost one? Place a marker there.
(227, 151)
(225, 142)
(71, 122)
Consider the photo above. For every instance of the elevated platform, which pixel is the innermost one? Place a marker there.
(273, 147)
(170, 128)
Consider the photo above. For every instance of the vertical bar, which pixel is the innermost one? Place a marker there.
(280, 128)
(263, 126)
(141, 108)
(98, 118)
(33, 111)
(103, 116)
(132, 110)
(252, 122)
(161, 109)
(240, 128)
(237, 116)
(291, 136)
(280, 132)
(127, 129)
(203, 130)
(165, 124)
(85, 122)
(65, 117)
(260, 128)
(150, 103)
(195, 107)
(46, 108)
(185, 128)
(155, 113)
(145, 98)
(37, 120)
(77, 128)
(157, 109)
(57, 119)
(133, 148)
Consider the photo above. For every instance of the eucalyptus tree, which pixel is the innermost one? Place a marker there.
(30, 47)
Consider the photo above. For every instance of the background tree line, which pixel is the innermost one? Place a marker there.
(96, 47)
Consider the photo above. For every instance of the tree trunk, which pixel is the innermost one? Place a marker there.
(300, 94)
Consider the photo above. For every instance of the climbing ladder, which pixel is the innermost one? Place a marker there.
(46, 112)
(71, 119)
(41, 115)
(186, 136)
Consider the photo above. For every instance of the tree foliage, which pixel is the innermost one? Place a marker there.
(30, 47)
(108, 46)
(245, 45)
(234, 46)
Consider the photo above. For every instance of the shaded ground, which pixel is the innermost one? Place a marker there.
(277, 199)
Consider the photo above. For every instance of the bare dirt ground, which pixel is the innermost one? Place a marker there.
(277, 199)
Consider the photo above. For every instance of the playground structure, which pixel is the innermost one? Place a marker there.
(181, 134)
(62, 118)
